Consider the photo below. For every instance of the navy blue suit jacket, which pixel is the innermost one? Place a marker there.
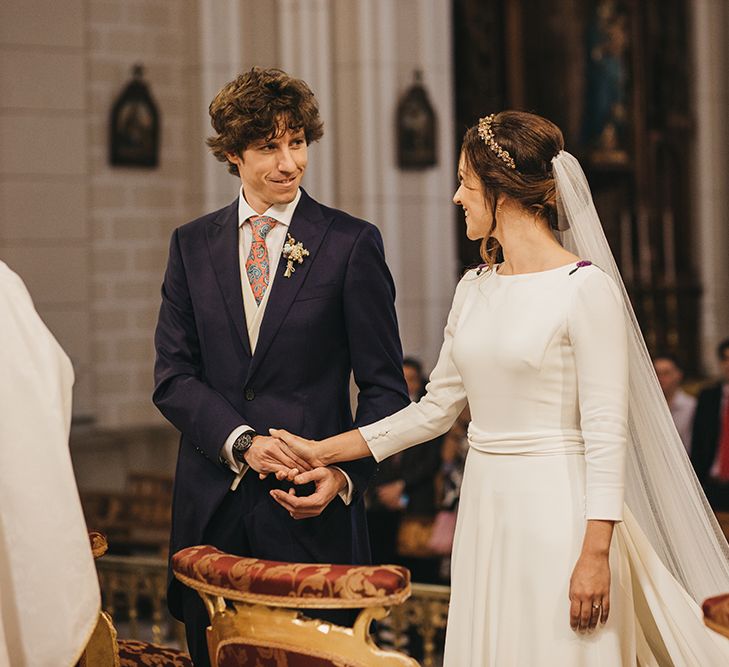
(706, 429)
(334, 315)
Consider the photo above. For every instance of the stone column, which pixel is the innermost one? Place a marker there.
(304, 41)
(439, 259)
(711, 164)
(221, 37)
(377, 46)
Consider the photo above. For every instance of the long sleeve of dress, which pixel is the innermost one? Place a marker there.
(597, 331)
(444, 399)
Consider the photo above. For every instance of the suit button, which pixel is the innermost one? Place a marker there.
(250, 394)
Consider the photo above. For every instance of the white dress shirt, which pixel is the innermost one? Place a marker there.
(275, 239)
(683, 407)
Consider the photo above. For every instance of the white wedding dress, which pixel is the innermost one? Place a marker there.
(542, 361)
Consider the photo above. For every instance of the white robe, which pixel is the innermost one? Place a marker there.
(49, 592)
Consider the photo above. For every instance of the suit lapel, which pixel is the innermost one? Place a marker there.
(308, 227)
(222, 236)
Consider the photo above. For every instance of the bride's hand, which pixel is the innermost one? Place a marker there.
(590, 592)
(303, 448)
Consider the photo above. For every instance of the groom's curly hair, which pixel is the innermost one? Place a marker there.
(261, 105)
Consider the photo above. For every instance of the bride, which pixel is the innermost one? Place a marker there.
(583, 537)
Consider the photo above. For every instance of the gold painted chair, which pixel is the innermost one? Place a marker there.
(255, 608)
(716, 613)
(105, 650)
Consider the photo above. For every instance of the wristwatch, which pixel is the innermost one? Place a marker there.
(242, 444)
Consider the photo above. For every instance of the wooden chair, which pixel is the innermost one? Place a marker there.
(104, 649)
(716, 613)
(136, 519)
(723, 519)
(255, 608)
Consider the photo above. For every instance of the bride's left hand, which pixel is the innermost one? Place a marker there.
(590, 592)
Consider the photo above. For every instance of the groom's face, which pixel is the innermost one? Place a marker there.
(271, 170)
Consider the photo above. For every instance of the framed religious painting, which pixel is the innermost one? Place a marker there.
(134, 126)
(416, 128)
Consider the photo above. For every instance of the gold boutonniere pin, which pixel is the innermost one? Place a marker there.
(293, 251)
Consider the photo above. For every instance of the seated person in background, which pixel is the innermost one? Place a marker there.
(453, 461)
(404, 486)
(710, 439)
(681, 404)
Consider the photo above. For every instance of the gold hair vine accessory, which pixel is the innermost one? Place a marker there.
(487, 134)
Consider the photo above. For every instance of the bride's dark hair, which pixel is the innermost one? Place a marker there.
(532, 142)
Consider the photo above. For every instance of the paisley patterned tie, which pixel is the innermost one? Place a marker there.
(257, 267)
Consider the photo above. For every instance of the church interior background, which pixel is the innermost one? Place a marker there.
(641, 89)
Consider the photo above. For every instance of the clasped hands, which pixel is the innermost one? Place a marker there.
(293, 459)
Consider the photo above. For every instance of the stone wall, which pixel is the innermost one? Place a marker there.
(90, 240)
(134, 210)
(44, 190)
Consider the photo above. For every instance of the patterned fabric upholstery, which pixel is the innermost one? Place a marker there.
(240, 655)
(716, 613)
(300, 585)
(104, 644)
(133, 653)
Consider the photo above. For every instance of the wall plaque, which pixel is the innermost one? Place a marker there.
(134, 125)
(416, 128)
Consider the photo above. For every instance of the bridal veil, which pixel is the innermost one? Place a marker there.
(662, 491)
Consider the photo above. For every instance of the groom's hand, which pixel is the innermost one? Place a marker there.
(270, 455)
(328, 481)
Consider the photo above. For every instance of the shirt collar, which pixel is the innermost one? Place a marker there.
(282, 213)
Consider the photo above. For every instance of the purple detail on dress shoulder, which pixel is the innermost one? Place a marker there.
(582, 262)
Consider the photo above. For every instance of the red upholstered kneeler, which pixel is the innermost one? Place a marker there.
(105, 650)
(256, 609)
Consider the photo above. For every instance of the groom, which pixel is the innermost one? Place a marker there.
(268, 306)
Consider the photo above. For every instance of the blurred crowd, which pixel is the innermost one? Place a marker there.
(412, 502)
(702, 421)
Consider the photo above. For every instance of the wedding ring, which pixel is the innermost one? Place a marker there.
(596, 606)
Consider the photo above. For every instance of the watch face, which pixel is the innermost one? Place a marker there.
(241, 445)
